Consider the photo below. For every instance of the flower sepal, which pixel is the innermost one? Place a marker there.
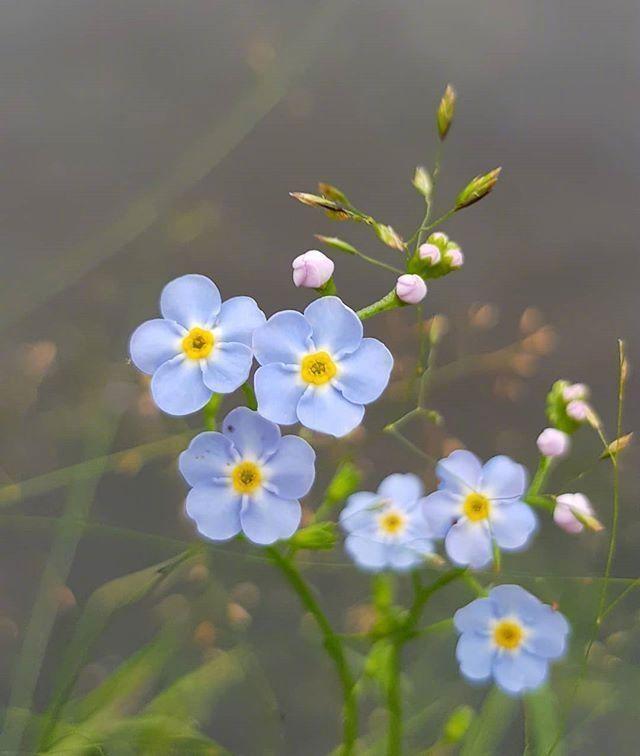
(320, 536)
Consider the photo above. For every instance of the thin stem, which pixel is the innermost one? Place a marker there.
(378, 263)
(539, 479)
(394, 701)
(438, 221)
(389, 302)
(332, 644)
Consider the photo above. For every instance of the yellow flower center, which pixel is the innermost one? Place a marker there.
(508, 634)
(317, 368)
(392, 522)
(476, 507)
(198, 343)
(246, 477)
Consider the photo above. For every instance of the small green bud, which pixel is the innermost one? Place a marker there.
(422, 182)
(345, 482)
(340, 244)
(457, 725)
(446, 110)
(331, 208)
(388, 236)
(316, 537)
(477, 188)
(557, 408)
(333, 193)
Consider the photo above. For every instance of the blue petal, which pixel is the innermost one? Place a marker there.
(238, 319)
(513, 525)
(291, 470)
(460, 471)
(191, 300)
(441, 510)
(268, 518)
(336, 327)
(177, 387)
(401, 488)
(475, 617)
(227, 368)
(324, 409)
(401, 557)
(278, 391)
(502, 478)
(209, 456)
(548, 636)
(215, 510)
(516, 673)
(285, 337)
(155, 342)
(364, 374)
(252, 435)
(367, 553)
(475, 656)
(514, 600)
(359, 514)
(469, 543)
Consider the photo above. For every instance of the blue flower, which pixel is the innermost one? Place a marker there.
(510, 637)
(386, 530)
(477, 504)
(201, 345)
(317, 368)
(248, 478)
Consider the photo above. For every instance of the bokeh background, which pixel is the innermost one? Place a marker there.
(141, 141)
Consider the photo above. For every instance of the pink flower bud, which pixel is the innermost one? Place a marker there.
(411, 288)
(578, 410)
(430, 254)
(566, 507)
(553, 443)
(454, 257)
(439, 238)
(312, 269)
(575, 391)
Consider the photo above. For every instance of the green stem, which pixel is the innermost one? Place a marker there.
(377, 263)
(389, 302)
(539, 479)
(394, 701)
(332, 644)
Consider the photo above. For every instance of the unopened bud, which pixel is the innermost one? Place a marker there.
(575, 391)
(573, 511)
(553, 443)
(478, 188)
(312, 269)
(430, 254)
(446, 110)
(438, 238)
(578, 410)
(422, 182)
(454, 257)
(411, 288)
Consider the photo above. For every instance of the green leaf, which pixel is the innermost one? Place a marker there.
(315, 537)
(488, 728)
(543, 726)
(456, 727)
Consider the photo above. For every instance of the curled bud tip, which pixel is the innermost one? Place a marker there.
(411, 288)
(446, 110)
(578, 410)
(573, 511)
(312, 269)
(553, 443)
(477, 188)
(575, 391)
(429, 253)
(438, 238)
(454, 257)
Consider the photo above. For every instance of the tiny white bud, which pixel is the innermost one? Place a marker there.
(411, 288)
(567, 506)
(438, 237)
(454, 257)
(575, 391)
(429, 253)
(553, 443)
(312, 269)
(578, 410)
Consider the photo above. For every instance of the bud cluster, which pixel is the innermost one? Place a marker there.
(567, 406)
(436, 257)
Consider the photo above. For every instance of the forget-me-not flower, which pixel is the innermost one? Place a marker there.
(476, 504)
(509, 636)
(387, 529)
(200, 346)
(248, 478)
(317, 369)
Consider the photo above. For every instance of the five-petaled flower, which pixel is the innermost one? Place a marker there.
(317, 368)
(509, 636)
(387, 529)
(201, 345)
(476, 505)
(248, 478)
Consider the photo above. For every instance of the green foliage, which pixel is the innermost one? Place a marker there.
(543, 727)
(456, 727)
(315, 537)
(488, 729)
(557, 409)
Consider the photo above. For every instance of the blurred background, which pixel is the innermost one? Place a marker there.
(141, 141)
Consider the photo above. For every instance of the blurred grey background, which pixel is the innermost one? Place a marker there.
(143, 140)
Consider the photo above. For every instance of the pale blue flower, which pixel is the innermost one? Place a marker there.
(248, 478)
(477, 504)
(317, 369)
(387, 530)
(200, 346)
(509, 636)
